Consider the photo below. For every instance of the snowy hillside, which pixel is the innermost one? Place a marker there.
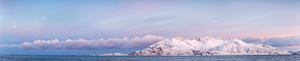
(294, 52)
(114, 54)
(297, 52)
(206, 46)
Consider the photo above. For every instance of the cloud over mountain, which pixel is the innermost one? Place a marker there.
(124, 43)
(283, 41)
(286, 43)
(251, 40)
(276, 41)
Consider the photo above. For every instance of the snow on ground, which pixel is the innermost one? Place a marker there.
(114, 54)
(207, 46)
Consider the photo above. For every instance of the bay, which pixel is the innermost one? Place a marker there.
(150, 58)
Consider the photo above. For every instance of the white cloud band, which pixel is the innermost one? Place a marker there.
(124, 43)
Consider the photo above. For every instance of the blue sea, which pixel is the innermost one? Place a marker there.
(150, 58)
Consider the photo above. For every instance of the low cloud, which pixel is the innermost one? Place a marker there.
(27, 46)
(123, 43)
(251, 40)
(285, 43)
(10, 46)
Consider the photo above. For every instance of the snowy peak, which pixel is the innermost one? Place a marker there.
(205, 39)
(207, 46)
(238, 42)
(294, 52)
(178, 38)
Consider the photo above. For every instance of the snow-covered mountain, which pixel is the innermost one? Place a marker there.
(114, 54)
(297, 52)
(206, 46)
(294, 52)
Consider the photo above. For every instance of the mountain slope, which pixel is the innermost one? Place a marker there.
(114, 54)
(206, 46)
(294, 52)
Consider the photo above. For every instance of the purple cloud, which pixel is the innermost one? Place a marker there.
(28, 46)
(124, 43)
(10, 46)
(283, 41)
(276, 41)
(251, 40)
(286, 43)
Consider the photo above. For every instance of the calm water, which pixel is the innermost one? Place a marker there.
(150, 58)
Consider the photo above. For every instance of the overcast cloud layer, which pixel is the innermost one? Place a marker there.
(285, 43)
(82, 44)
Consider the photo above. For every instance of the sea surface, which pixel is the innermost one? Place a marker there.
(149, 58)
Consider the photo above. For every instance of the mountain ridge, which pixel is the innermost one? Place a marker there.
(206, 46)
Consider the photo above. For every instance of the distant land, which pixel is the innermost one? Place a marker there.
(207, 45)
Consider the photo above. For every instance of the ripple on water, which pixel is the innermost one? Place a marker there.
(150, 58)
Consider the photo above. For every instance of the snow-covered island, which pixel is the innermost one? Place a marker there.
(294, 52)
(114, 54)
(206, 46)
(92, 55)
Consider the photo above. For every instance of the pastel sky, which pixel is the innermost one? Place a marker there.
(67, 27)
